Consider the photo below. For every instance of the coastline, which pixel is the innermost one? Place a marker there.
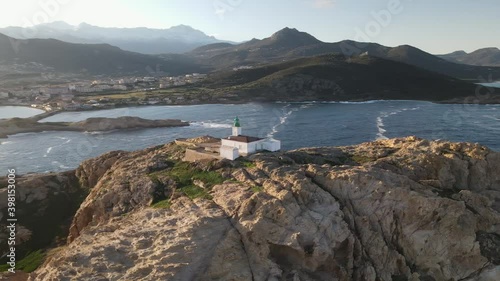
(32, 124)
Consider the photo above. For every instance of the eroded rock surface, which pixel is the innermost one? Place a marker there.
(399, 209)
(45, 205)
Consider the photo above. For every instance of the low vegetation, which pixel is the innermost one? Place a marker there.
(247, 163)
(29, 263)
(185, 175)
(164, 204)
(257, 188)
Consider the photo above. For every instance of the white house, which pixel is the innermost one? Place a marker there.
(237, 144)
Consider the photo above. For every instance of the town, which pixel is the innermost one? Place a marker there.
(88, 94)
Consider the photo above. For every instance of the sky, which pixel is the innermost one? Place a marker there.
(436, 26)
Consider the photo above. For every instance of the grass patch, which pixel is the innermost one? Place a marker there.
(245, 162)
(193, 191)
(248, 164)
(29, 263)
(183, 173)
(164, 204)
(257, 189)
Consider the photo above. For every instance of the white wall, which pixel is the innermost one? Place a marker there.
(272, 145)
(229, 152)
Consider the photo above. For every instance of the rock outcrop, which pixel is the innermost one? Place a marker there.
(29, 125)
(399, 209)
(45, 206)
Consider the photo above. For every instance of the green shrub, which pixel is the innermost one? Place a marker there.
(29, 263)
(247, 163)
(257, 188)
(164, 204)
(193, 191)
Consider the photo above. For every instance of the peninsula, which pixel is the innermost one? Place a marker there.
(31, 125)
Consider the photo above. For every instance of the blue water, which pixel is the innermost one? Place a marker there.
(295, 124)
(18, 111)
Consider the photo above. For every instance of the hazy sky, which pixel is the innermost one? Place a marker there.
(436, 26)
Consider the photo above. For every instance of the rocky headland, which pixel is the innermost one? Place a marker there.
(398, 209)
(30, 125)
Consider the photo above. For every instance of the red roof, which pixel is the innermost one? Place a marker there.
(246, 139)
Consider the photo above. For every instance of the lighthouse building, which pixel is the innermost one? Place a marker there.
(240, 145)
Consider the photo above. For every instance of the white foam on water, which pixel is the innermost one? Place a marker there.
(380, 127)
(358, 102)
(210, 125)
(380, 121)
(287, 112)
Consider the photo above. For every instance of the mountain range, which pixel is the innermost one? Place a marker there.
(485, 56)
(334, 77)
(290, 43)
(176, 39)
(286, 45)
(85, 59)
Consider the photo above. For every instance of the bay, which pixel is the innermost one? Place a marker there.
(18, 111)
(295, 124)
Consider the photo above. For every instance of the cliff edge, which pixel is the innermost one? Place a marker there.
(398, 209)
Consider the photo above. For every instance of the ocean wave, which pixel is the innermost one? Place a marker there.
(99, 132)
(210, 125)
(6, 142)
(359, 102)
(380, 126)
(287, 112)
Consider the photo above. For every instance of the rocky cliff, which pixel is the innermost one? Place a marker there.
(399, 209)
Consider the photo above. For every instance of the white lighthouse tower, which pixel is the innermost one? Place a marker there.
(236, 127)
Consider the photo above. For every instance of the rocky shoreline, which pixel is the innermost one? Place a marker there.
(31, 125)
(397, 209)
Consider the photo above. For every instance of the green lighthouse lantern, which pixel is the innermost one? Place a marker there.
(236, 122)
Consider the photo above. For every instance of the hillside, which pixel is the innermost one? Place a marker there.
(290, 43)
(398, 209)
(176, 39)
(86, 58)
(337, 78)
(485, 57)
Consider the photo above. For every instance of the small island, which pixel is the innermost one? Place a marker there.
(30, 125)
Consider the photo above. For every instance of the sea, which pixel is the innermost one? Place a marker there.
(18, 111)
(305, 124)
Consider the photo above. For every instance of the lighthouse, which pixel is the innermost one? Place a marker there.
(236, 127)
(237, 144)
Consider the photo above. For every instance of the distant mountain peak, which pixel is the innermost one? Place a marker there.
(62, 25)
(488, 49)
(294, 36)
(176, 39)
(182, 26)
(485, 57)
(287, 31)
